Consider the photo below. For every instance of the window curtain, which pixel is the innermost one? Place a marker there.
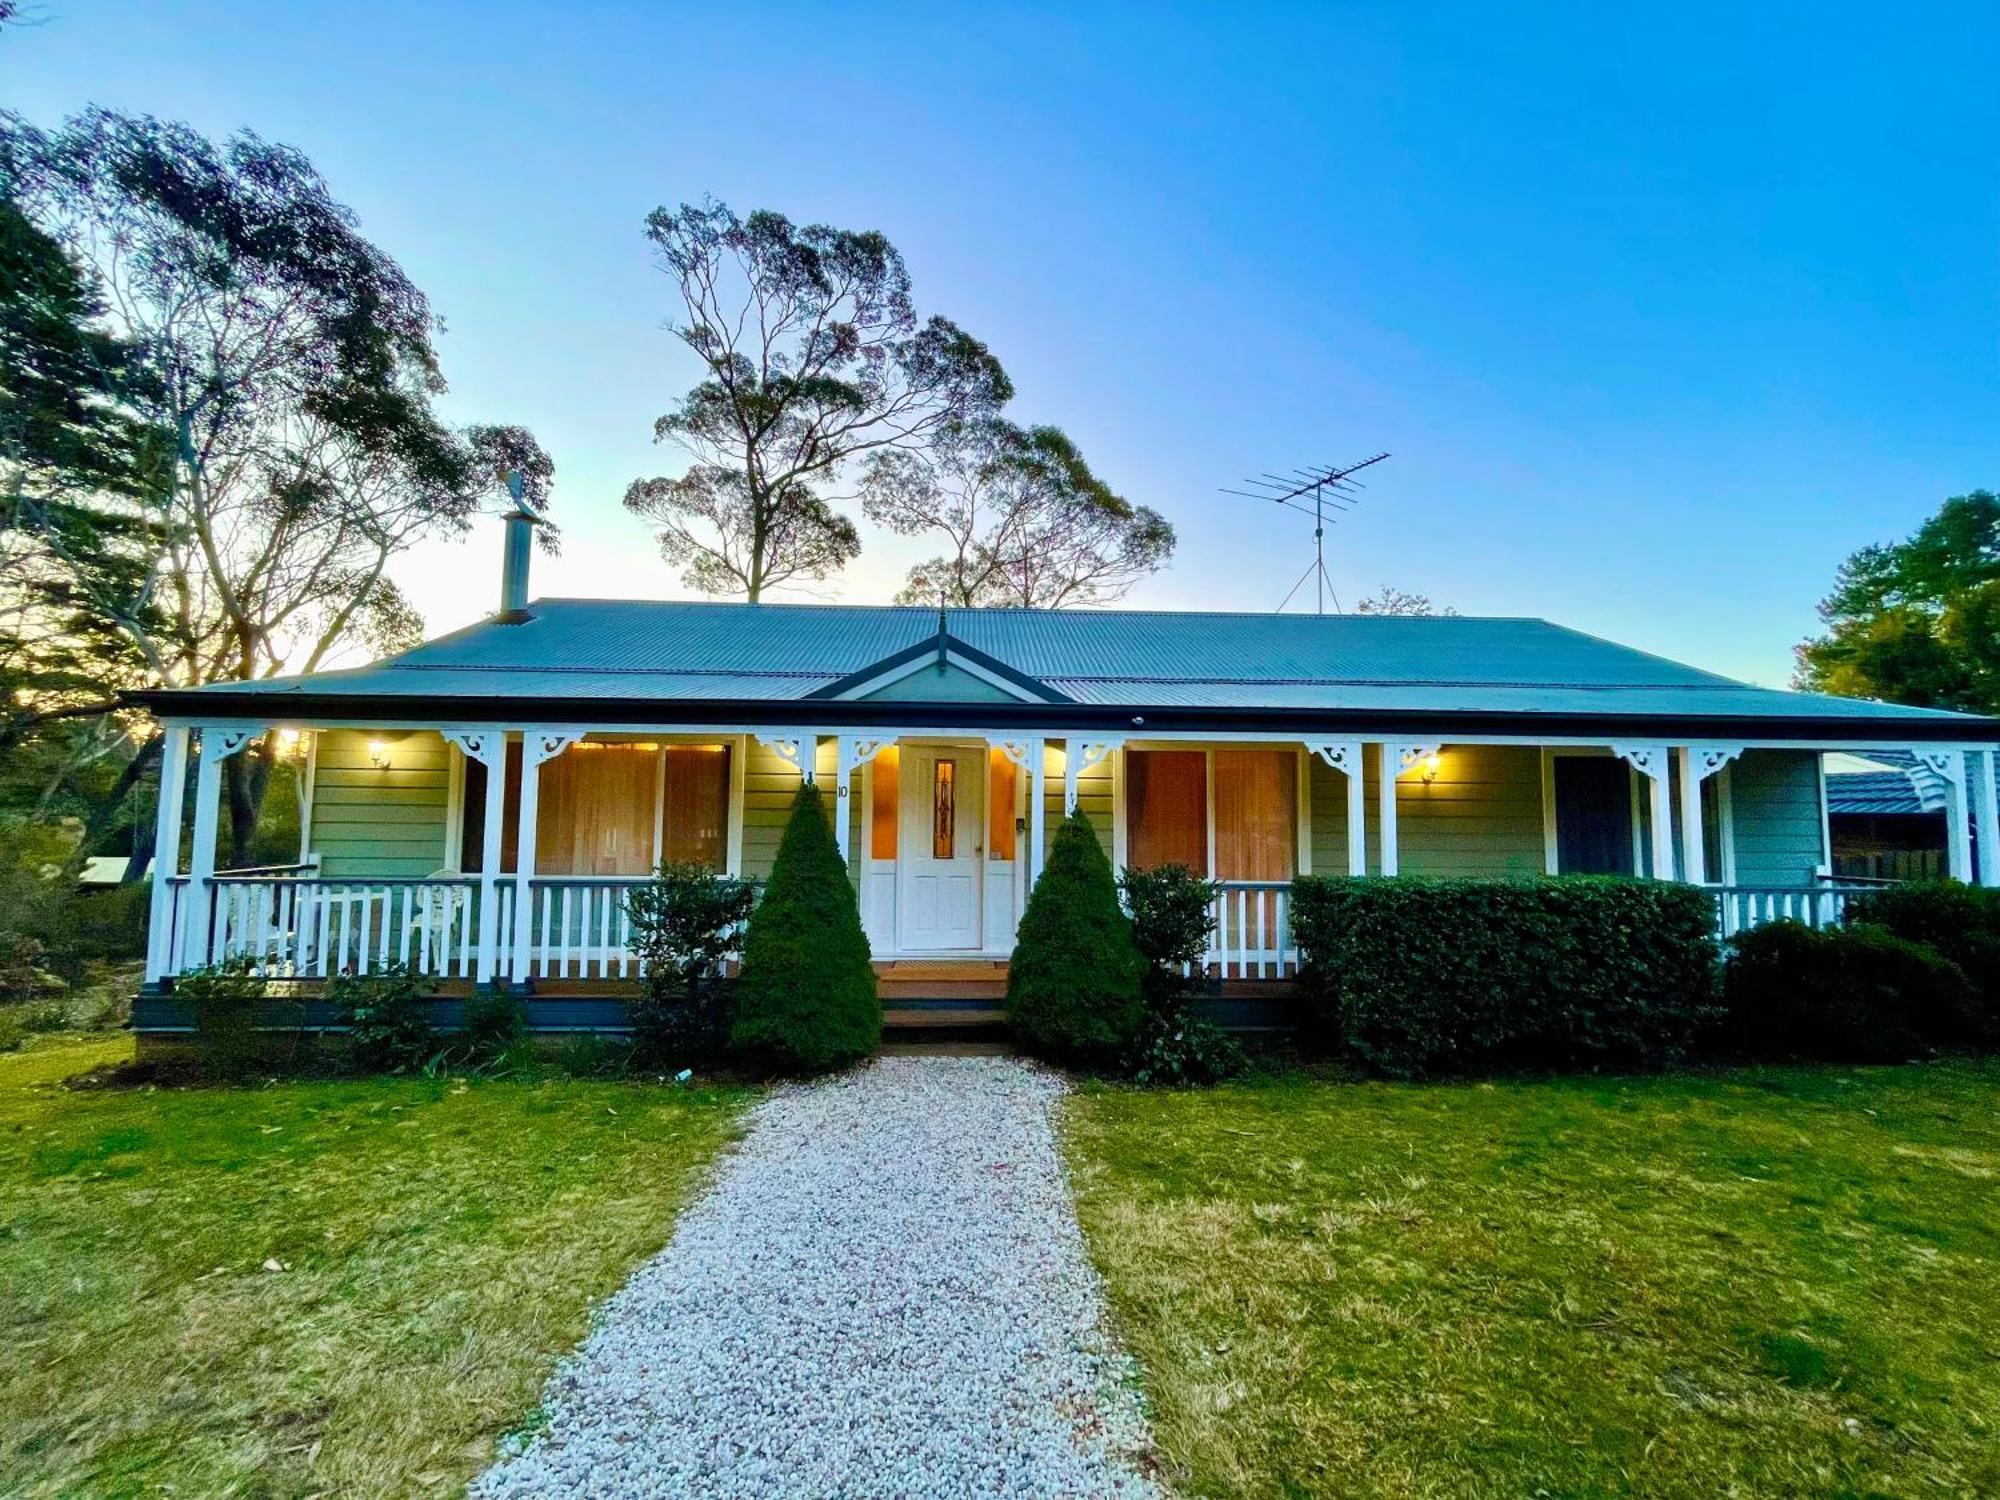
(694, 824)
(884, 772)
(1000, 805)
(1166, 809)
(1256, 815)
(595, 810)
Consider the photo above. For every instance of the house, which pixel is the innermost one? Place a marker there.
(1885, 818)
(477, 805)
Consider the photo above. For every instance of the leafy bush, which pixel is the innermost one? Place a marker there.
(1173, 913)
(22, 975)
(805, 1000)
(1847, 994)
(18, 1022)
(493, 1028)
(686, 922)
(1412, 976)
(1962, 922)
(387, 1015)
(1073, 981)
(227, 1001)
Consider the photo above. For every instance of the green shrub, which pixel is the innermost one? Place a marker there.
(1962, 922)
(227, 1002)
(1073, 981)
(1847, 994)
(1173, 913)
(805, 1000)
(1412, 976)
(388, 1019)
(493, 1029)
(686, 921)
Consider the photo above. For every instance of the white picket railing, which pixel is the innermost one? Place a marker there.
(1252, 938)
(312, 928)
(1741, 907)
(579, 928)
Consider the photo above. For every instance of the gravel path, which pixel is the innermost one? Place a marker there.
(884, 1293)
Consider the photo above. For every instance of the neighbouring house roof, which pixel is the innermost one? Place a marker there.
(633, 660)
(1886, 782)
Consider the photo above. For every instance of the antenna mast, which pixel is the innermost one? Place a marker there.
(1329, 488)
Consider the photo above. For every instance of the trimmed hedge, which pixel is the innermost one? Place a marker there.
(1847, 994)
(1412, 976)
(1073, 980)
(1962, 922)
(805, 1000)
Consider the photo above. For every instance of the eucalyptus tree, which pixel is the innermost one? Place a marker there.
(812, 355)
(1024, 520)
(291, 362)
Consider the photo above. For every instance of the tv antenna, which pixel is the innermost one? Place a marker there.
(1311, 492)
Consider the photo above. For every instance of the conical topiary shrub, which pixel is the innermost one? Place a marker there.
(1073, 982)
(805, 999)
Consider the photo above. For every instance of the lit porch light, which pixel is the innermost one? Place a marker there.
(378, 754)
(1431, 763)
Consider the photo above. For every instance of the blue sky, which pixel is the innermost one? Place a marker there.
(1661, 310)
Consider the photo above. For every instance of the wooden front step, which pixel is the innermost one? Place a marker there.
(898, 981)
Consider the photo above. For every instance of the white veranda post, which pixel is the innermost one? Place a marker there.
(166, 852)
(1651, 762)
(537, 745)
(1038, 810)
(852, 752)
(1988, 800)
(1345, 757)
(1950, 766)
(1698, 763)
(488, 746)
(218, 743)
(1396, 759)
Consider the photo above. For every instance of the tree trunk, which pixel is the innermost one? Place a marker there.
(146, 838)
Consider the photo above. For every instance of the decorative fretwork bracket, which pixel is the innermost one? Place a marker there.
(1406, 756)
(1087, 754)
(794, 749)
(1948, 765)
(538, 745)
(853, 751)
(1706, 760)
(485, 745)
(1014, 750)
(1343, 755)
(220, 741)
(1647, 760)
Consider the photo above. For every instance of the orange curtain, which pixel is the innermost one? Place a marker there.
(1166, 801)
(595, 811)
(882, 826)
(1000, 805)
(1256, 814)
(694, 821)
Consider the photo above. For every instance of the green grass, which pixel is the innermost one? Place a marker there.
(436, 1244)
(1764, 1283)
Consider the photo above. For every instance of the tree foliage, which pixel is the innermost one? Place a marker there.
(812, 354)
(1024, 520)
(805, 1000)
(290, 362)
(1917, 621)
(1390, 600)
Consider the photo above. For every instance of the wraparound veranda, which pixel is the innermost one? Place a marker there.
(478, 805)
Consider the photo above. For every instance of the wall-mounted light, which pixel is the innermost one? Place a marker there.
(290, 743)
(1431, 763)
(378, 754)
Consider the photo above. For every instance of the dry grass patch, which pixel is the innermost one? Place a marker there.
(1779, 1283)
(343, 1288)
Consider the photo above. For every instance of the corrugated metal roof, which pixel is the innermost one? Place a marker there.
(1875, 793)
(635, 650)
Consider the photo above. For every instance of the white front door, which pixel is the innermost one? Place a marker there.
(940, 851)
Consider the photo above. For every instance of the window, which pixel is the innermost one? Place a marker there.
(594, 815)
(944, 807)
(1166, 799)
(883, 773)
(1256, 814)
(694, 805)
(1593, 802)
(1000, 784)
(608, 808)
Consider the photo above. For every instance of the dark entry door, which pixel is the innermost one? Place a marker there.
(1593, 815)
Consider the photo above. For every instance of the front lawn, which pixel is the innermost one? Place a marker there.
(1775, 1282)
(341, 1288)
